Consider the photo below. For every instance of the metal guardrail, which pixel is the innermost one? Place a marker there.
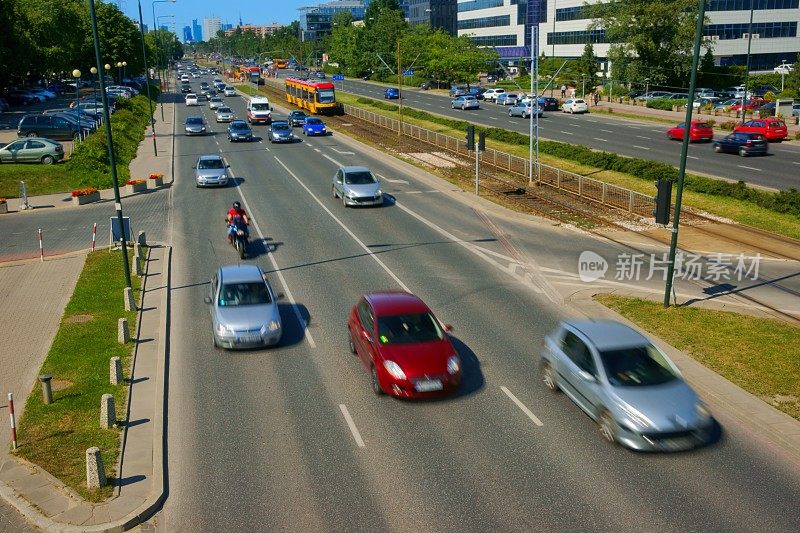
(591, 189)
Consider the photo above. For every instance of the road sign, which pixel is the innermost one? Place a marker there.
(337, 77)
(408, 72)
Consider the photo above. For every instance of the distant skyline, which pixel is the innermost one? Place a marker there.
(252, 11)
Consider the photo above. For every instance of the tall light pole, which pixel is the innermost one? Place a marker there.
(747, 66)
(783, 72)
(124, 64)
(93, 70)
(110, 146)
(77, 75)
(153, 5)
(119, 72)
(147, 80)
(646, 86)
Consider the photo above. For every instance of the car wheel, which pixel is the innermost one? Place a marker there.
(571, 111)
(606, 424)
(214, 341)
(463, 107)
(32, 134)
(344, 200)
(525, 115)
(48, 160)
(549, 376)
(350, 342)
(333, 192)
(509, 113)
(717, 148)
(376, 386)
(742, 152)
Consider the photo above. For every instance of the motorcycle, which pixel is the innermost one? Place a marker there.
(238, 237)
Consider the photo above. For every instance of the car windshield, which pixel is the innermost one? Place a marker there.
(216, 99)
(701, 125)
(224, 110)
(210, 163)
(636, 366)
(259, 107)
(314, 121)
(406, 329)
(325, 96)
(359, 178)
(194, 120)
(280, 126)
(238, 126)
(250, 293)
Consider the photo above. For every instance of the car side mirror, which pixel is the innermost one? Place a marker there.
(448, 328)
(366, 336)
(280, 296)
(228, 165)
(207, 300)
(587, 376)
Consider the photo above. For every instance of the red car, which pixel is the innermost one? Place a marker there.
(698, 131)
(403, 346)
(755, 103)
(772, 128)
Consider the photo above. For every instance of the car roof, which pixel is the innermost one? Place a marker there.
(209, 157)
(240, 273)
(395, 303)
(608, 334)
(280, 122)
(348, 169)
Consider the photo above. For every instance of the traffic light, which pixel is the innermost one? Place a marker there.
(470, 138)
(482, 141)
(663, 201)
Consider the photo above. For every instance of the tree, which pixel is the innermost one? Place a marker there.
(651, 39)
(587, 66)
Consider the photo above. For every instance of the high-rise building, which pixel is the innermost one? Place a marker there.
(226, 26)
(261, 30)
(187, 34)
(197, 31)
(437, 13)
(210, 27)
(316, 20)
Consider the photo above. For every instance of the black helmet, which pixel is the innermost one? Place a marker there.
(237, 205)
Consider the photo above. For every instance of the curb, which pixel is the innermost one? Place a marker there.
(159, 487)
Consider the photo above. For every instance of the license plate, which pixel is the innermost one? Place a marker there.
(427, 385)
(249, 339)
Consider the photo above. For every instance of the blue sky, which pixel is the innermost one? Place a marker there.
(252, 11)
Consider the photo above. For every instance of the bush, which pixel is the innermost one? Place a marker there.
(711, 122)
(728, 125)
(664, 103)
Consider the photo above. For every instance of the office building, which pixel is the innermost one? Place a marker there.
(187, 34)
(438, 13)
(564, 30)
(262, 30)
(197, 31)
(210, 27)
(316, 20)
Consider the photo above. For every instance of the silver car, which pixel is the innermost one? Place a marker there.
(357, 186)
(525, 110)
(280, 132)
(626, 384)
(244, 308)
(506, 99)
(224, 114)
(466, 101)
(229, 91)
(195, 125)
(215, 102)
(210, 170)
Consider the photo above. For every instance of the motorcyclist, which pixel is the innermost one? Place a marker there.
(237, 219)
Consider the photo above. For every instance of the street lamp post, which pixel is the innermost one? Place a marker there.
(119, 72)
(646, 86)
(783, 72)
(124, 64)
(77, 75)
(747, 66)
(147, 80)
(93, 70)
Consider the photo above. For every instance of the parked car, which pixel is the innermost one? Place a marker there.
(477, 92)
(698, 131)
(458, 90)
(32, 150)
(625, 383)
(575, 105)
(238, 130)
(784, 69)
(244, 308)
(464, 102)
(403, 346)
(4, 105)
(490, 95)
(210, 170)
(392, 93)
(191, 99)
(772, 128)
(314, 126)
(296, 118)
(20, 98)
(356, 186)
(525, 110)
(749, 104)
(548, 103)
(742, 143)
(507, 98)
(195, 125)
(48, 126)
(224, 114)
(760, 90)
(281, 132)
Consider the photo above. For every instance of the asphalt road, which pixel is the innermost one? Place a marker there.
(259, 440)
(646, 140)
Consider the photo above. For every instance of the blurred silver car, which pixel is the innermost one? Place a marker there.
(244, 308)
(524, 109)
(215, 102)
(210, 170)
(224, 114)
(357, 186)
(466, 101)
(195, 125)
(280, 132)
(506, 98)
(229, 91)
(626, 384)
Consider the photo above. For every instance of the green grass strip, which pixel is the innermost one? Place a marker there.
(759, 355)
(56, 436)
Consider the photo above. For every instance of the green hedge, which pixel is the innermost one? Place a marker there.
(780, 202)
(665, 104)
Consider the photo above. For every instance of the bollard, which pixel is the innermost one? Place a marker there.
(123, 334)
(47, 390)
(115, 370)
(95, 473)
(141, 238)
(137, 263)
(139, 249)
(130, 303)
(13, 421)
(108, 412)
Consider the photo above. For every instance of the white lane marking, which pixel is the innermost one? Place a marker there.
(590, 120)
(493, 118)
(567, 132)
(341, 152)
(643, 137)
(749, 168)
(692, 157)
(277, 270)
(384, 178)
(796, 162)
(607, 131)
(641, 147)
(343, 226)
(443, 106)
(522, 407)
(351, 425)
(599, 139)
(317, 150)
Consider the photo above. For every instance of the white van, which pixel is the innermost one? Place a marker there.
(258, 110)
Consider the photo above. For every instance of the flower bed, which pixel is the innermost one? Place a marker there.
(133, 186)
(3, 205)
(157, 179)
(85, 196)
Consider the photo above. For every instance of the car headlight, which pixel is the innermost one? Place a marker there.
(702, 411)
(379, 193)
(394, 370)
(272, 326)
(453, 364)
(222, 329)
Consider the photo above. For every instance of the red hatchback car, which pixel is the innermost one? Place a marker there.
(698, 131)
(772, 128)
(403, 346)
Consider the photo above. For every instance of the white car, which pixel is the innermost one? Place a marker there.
(185, 78)
(230, 91)
(215, 102)
(191, 99)
(784, 69)
(491, 94)
(575, 105)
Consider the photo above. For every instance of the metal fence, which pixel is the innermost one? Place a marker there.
(591, 189)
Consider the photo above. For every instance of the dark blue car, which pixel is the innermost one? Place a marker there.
(391, 93)
(742, 143)
(314, 126)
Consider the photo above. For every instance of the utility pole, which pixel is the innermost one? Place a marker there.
(747, 67)
(399, 95)
(534, 103)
